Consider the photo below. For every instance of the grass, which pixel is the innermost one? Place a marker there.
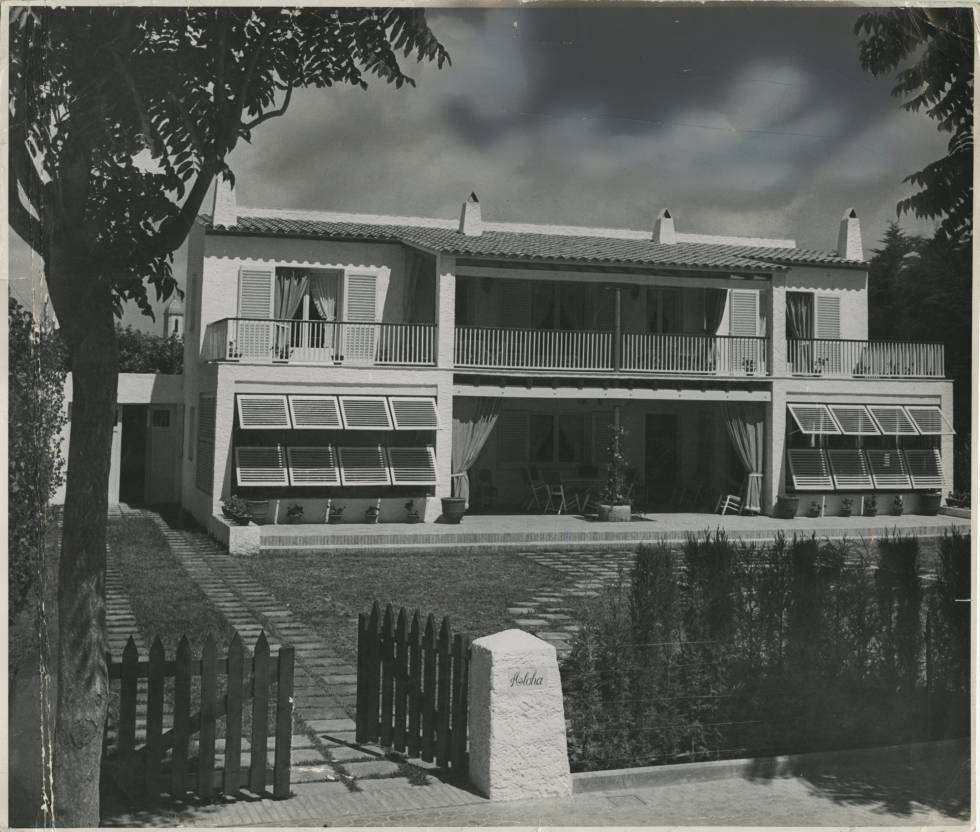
(327, 591)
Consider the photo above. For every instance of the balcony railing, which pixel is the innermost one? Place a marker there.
(594, 351)
(864, 359)
(320, 342)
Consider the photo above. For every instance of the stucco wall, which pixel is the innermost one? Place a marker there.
(851, 285)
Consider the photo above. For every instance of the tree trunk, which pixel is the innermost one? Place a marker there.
(86, 317)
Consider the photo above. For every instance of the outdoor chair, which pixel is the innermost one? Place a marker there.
(556, 493)
(537, 490)
(728, 504)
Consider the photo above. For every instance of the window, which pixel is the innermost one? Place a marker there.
(558, 438)
(664, 310)
(160, 418)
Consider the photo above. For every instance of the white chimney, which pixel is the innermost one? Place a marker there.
(849, 244)
(663, 228)
(470, 219)
(225, 208)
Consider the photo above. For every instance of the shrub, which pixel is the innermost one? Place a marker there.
(614, 488)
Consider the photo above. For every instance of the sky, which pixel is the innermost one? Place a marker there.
(755, 121)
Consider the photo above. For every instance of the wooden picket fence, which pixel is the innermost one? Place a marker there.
(412, 687)
(149, 770)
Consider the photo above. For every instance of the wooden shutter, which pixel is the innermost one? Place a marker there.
(261, 466)
(925, 468)
(827, 313)
(929, 420)
(888, 469)
(744, 313)
(361, 300)
(364, 466)
(850, 469)
(813, 419)
(512, 431)
(893, 420)
(315, 412)
(412, 466)
(809, 469)
(854, 420)
(255, 293)
(313, 466)
(263, 412)
(414, 412)
(365, 413)
(206, 418)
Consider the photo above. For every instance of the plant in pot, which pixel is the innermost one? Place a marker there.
(786, 506)
(295, 513)
(614, 505)
(846, 507)
(260, 510)
(236, 509)
(898, 505)
(814, 510)
(930, 502)
(335, 513)
(412, 512)
(871, 506)
(371, 514)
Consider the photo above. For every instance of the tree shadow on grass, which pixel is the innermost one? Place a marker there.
(899, 781)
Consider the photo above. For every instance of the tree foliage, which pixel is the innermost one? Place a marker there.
(938, 43)
(35, 419)
(146, 352)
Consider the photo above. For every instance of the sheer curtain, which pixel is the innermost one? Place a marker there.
(714, 309)
(746, 429)
(799, 327)
(473, 422)
(291, 286)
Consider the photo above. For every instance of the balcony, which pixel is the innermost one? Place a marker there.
(320, 342)
(600, 352)
(864, 359)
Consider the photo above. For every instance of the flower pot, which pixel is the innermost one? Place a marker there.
(260, 510)
(453, 509)
(239, 519)
(413, 517)
(786, 507)
(929, 504)
(371, 516)
(615, 514)
(335, 518)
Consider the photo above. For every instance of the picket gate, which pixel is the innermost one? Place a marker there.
(148, 769)
(412, 686)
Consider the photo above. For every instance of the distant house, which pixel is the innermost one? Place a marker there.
(357, 359)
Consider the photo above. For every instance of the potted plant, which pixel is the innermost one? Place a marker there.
(371, 514)
(814, 510)
(236, 509)
(958, 499)
(453, 509)
(898, 505)
(929, 503)
(260, 510)
(846, 506)
(413, 514)
(786, 506)
(335, 514)
(614, 505)
(871, 506)
(295, 513)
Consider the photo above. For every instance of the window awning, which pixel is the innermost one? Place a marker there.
(888, 469)
(814, 419)
(263, 412)
(809, 470)
(849, 468)
(925, 468)
(414, 412)
(261, 466)
(854, 420)
(412, 466)
(893, 420)
(929, 420)
(313, 466)
(364, 466)
(315, 412)
(366, 413)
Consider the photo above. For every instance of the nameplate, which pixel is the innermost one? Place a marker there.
(526, 680)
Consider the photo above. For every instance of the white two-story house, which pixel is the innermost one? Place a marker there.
(350, 361)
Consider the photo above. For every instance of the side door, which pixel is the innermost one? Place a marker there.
(161, 452)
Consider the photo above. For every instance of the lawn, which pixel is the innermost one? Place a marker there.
(328, 590)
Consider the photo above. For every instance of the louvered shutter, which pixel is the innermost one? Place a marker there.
(414, 412)
(813, 419)
(313, 466)
(925, 468)
(315, 412)
(365, 413)
(412, 466)
(893, 420)
(854, 420)
(361, 299)
(512, 431)
(827, 353)
(364, 466)
(251, 338)
(888, 469)
(263, 412)
(206, 419)
(929, 420)
(809, 469)
(850, 469)
(261, 466)
(744, 315)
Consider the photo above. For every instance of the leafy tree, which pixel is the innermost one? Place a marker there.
(145, 352)
(882, 276)
(119, 121)
(939, 44)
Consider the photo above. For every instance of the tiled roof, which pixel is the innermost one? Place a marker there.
(545, 247)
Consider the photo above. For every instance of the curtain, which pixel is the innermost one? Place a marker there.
(325, 293)
(746, 429)
(291, 286)
(473, 422)
(418, 264)
(714, 309)
(799, 315)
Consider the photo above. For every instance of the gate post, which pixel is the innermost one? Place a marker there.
(517, 719)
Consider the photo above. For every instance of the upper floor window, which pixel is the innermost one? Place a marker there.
(308, 295)
(664, 310)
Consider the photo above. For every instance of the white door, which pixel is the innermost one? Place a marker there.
(161, 455)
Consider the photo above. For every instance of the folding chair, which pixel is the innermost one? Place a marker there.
(556, 493)
(728, 504)
(537, 491)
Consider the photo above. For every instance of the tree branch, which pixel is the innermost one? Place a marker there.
(149, 135)
(27, 226)
(269, 114)
(173, 232)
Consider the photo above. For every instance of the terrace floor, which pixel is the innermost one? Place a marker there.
(568, 531)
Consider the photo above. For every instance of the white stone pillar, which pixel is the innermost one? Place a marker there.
(445, 310)
(517, 719)
(776, 351)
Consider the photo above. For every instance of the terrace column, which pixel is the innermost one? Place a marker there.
(773, 483)
(445, 310)
(776, 349)
(617, 355)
